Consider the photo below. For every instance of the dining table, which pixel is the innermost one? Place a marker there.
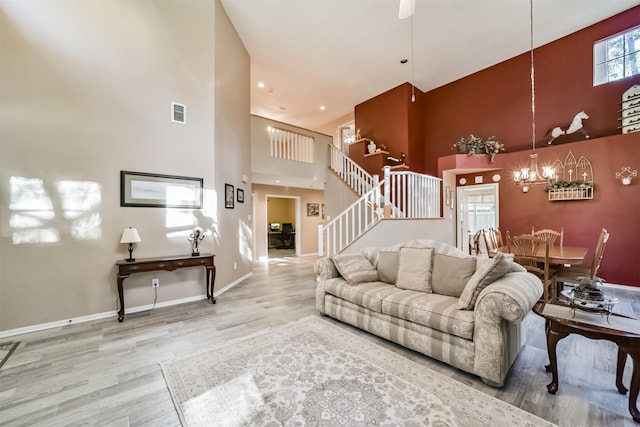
(559, 255)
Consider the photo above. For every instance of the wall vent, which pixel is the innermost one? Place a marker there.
(178, 113)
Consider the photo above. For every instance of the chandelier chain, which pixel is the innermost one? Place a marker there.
(533, 83)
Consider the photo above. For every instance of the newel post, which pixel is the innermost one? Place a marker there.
(387, 191)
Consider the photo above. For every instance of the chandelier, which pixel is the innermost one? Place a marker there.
(532, 175)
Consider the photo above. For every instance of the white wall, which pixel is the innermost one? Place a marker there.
(388, 232)
(266, 169)
(85, 92)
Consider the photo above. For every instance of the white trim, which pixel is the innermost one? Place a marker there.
(114, 313)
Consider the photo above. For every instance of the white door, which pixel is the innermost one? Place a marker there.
(477, 210)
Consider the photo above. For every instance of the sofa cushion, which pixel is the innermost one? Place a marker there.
(439, 312)
(485, 274)
(450, 274)
(369, 295)
(414, 269)
(388, 266)
(355, 268)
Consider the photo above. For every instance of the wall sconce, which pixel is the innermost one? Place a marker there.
(626, 174)
(130, 235)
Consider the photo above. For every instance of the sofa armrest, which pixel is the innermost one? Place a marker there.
(511, 297)
(325, 268)
(507, 300)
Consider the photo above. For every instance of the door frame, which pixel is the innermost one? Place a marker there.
(462, 239)
(266, 216)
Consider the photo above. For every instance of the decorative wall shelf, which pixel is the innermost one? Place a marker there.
(571, 194)
(574, 179)
(631, 110)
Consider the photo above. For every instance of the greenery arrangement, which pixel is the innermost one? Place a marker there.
(586, 288)
(473, 145)
(568, 185)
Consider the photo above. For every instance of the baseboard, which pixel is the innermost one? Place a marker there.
(114, 313)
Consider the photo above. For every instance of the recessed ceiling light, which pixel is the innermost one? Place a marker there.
(322, 107)
(260, 85)
(404, 61)
(277, 181)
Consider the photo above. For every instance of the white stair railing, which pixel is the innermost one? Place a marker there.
(355, 177)
(338, 233)
(406, 194)
(412, 195)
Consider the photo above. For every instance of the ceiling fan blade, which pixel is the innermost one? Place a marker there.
(406, 8)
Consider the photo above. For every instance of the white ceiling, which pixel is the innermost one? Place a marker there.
(339, 53)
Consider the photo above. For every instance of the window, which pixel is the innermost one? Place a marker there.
(616, 57)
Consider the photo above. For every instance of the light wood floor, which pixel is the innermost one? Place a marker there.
(108, 373)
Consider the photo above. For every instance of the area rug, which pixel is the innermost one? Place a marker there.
(6, 349)
(313, 373)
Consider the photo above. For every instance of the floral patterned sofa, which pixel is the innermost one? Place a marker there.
(433, 298)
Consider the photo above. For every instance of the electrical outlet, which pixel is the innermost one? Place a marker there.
(155, 283)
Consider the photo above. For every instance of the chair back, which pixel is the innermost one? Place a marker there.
(532, 253)
(599, 253)
(489, 242)
(496, 235)
(549, 235)
(474, 243)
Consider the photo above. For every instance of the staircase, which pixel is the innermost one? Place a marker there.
(399, 195)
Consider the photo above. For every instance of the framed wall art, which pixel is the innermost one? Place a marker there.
(152, 190)
(240, 195)
(229, 196)
(313, 209)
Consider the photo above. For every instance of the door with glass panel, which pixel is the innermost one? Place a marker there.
(477, 210)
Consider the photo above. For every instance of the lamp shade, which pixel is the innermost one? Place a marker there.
(130, 235)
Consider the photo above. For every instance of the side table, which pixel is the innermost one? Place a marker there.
(559, 323)
(142, 265)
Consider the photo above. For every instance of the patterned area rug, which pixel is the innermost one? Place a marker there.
(5, 351)
(313, 373)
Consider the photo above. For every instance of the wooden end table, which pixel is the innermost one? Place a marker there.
(628, 343)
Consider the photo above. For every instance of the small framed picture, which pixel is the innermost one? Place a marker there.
(228, 196)
(313, 209)
(240, 195)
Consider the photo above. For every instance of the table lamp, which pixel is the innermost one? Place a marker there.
(130, 235)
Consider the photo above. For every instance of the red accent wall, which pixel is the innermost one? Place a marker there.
(614, 206)
(391, 119)
(497, 102)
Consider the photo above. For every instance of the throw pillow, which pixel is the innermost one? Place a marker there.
(486, 274)
(355, 268)
(414, 269)
(451, 274)
(388, 266)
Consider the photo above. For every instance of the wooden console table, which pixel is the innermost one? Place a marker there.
(142, 265)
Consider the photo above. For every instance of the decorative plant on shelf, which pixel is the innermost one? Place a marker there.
(568, 185)
(473, 145)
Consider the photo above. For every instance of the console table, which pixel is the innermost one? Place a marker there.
(143, 265)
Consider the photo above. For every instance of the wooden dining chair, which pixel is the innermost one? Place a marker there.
(496, 235)
(526, 252)
(490, 242)
(474, 243)
(568, 275)
(549, 235)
